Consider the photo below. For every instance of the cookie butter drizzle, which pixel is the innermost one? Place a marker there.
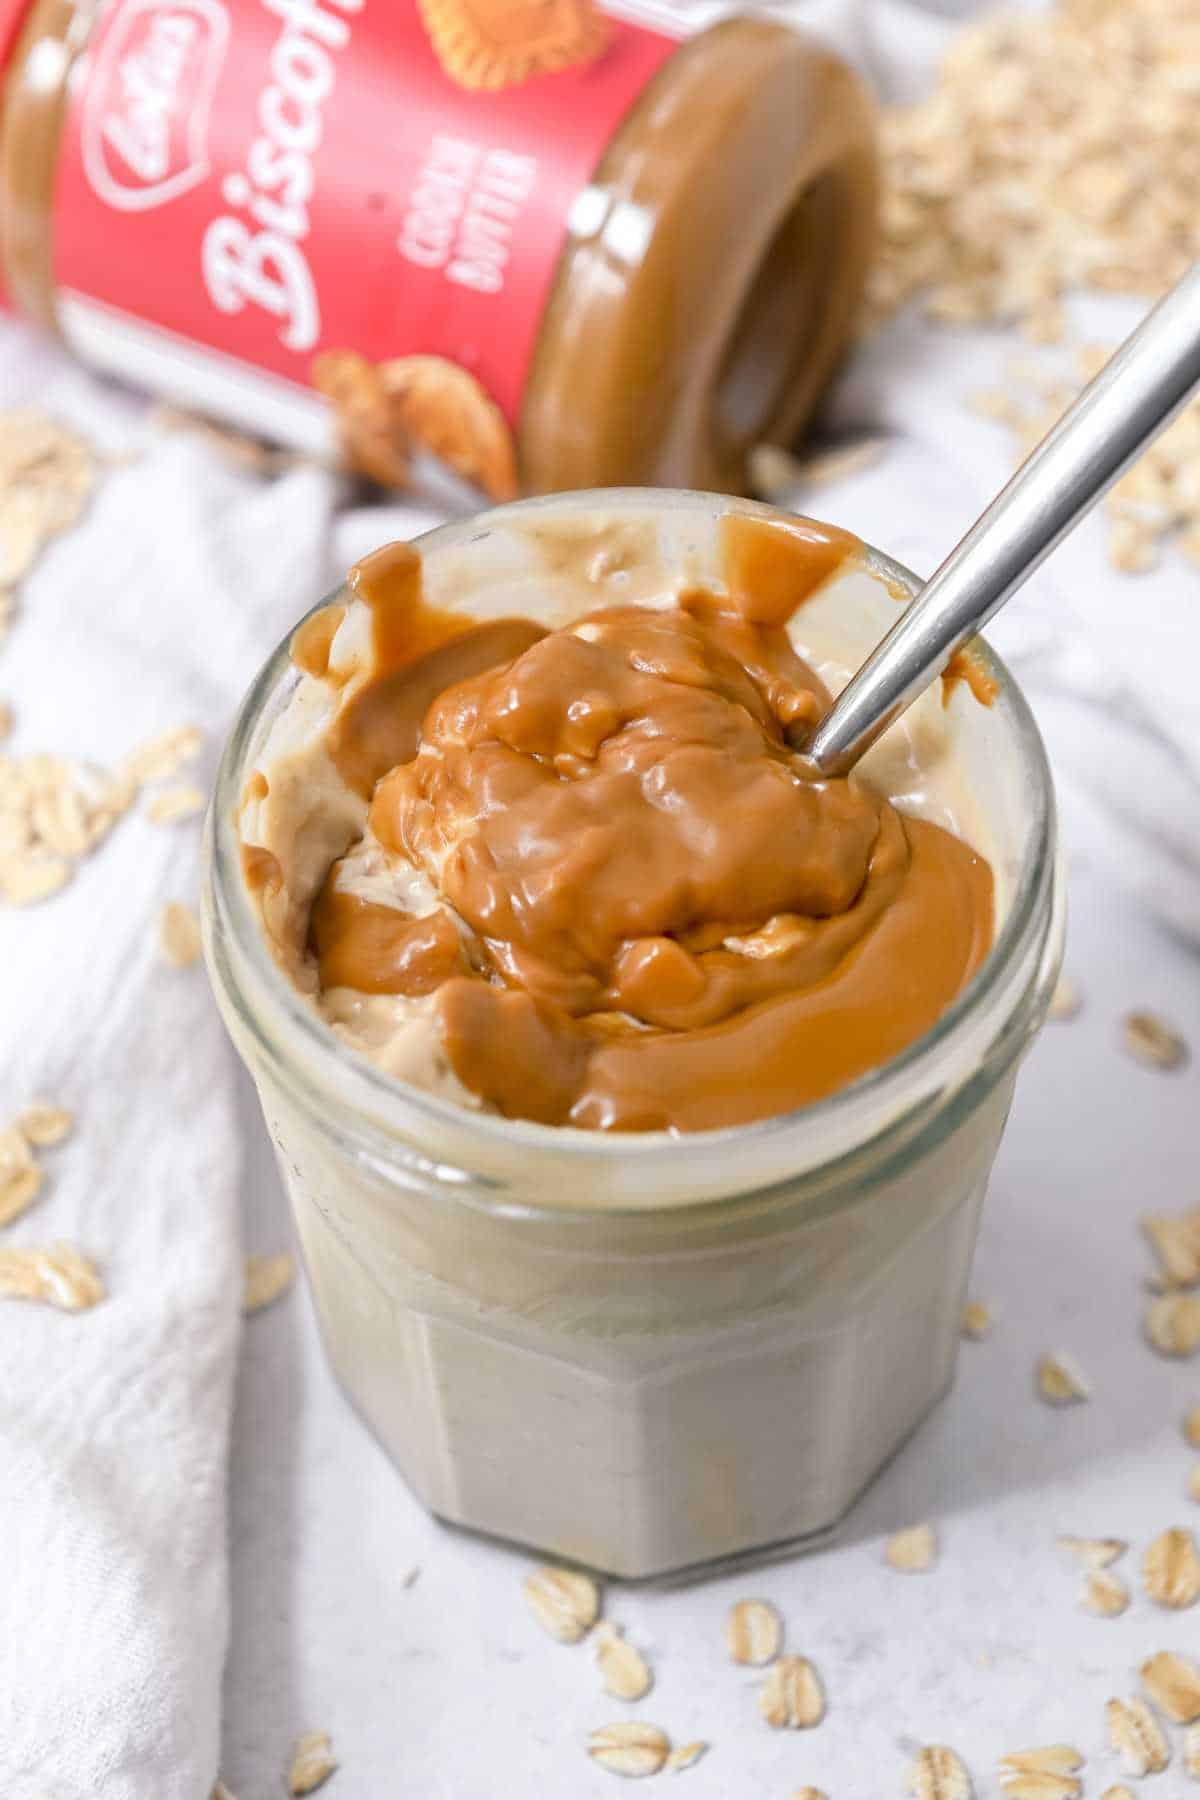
(645, 916)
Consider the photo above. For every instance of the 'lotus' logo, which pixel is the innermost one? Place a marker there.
(145, 123)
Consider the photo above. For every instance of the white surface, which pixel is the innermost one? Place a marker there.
(448, 1689)
(113, 1427)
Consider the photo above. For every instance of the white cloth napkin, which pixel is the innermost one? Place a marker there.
(114, 1422)
(155, 612)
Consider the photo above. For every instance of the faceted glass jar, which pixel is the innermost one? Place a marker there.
(642, 1352)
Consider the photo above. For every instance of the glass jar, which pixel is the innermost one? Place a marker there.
(642, 1352)
(627, 267)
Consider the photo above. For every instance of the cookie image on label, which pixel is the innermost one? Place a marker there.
(500, 43)
(442, 408)
(372, 438)
(386, 411)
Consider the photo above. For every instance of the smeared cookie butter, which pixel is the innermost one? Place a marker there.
(590, 861)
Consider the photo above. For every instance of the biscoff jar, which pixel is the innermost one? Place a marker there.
(638, 1350)
(539, 241)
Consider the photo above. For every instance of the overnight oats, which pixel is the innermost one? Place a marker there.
(635, 1092)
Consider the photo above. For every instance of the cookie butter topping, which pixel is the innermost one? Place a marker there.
(593, 857)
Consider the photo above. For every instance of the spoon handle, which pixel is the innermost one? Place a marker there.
(1130, 401)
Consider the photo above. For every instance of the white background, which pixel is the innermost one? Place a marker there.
(157, 609)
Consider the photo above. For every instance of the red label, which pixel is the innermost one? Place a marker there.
(271, 178)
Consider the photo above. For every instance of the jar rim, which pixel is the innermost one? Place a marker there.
(363, 1088)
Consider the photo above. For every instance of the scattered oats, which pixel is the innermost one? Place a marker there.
(267, 1278)
(1193, 1486)
(1120, 1792)
(1191, 1751)
(178, 934)
(6, 719)
(996, 403)
(912, 1550)
(221, 1792)
(1060, 1382)
(1049, 1759)
(686, 1755)
(1136, 1734)
(18, 1193)
(936, 1773)
(622, 1667)
(43, 1124)
(1094, 1553)
(47, 473)
(170, 804)
(1132, 550)
(839, 462)
(1105, 1594)
(161, 757)
(1176, 1243)
(16, 834)
(1046, 1774)
(977, 1319)
(998, 205)
(52, 813)
(109, 796)
(1173, 1324)
(1173, 1683)
(564, 1602)
(1191, 1427)
(753, 1632)
(313, 1762)
(791, 1696)
(59, 821)
(26, 880)
(629, 1748)
(56, 1274)
(1151, 1040)
(1055, 153)
(774, 472)
(1171, 1569)
(810, 1793)
(16, 1157)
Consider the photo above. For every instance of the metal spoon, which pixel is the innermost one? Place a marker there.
(1134, 397)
